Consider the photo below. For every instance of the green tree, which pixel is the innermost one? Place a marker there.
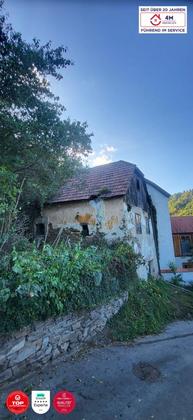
(181, 204)
(36, 143)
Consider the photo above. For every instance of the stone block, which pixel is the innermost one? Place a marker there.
(5, 375)
(63, 347)
(23, 354)
(45, 342)
(3, 361)
(55, 353)
(20, 369)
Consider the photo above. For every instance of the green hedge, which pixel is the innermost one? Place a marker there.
(35, 285)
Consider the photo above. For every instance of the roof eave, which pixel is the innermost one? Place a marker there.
(157, 187)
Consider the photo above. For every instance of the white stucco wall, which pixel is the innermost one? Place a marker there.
(187, 277)
(180, 260)
(166, 249)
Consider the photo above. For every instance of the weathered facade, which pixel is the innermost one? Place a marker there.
(110, 200)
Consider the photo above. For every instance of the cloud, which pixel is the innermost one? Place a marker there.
(109, 149)
(101, 160)
(105, 155)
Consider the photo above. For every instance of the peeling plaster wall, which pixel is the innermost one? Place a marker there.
(102, 216)
(143, 243)
(71, 215)
(110, 217)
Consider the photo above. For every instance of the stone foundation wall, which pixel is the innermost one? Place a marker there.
(65, 335)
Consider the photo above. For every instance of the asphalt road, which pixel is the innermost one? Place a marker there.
(151, 379)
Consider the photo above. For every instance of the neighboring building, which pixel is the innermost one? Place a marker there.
(182, 232)
(114, 200)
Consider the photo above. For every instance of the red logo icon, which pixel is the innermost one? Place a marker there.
(17, 402)
(155, 20)
(64, 402)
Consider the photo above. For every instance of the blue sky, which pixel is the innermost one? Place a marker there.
(135, 91)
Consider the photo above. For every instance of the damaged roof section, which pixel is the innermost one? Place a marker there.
(106, 181)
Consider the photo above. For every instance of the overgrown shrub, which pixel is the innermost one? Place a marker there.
(176, 279)
(151, 305)
(37, 284)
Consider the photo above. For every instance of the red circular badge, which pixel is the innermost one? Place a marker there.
(64, 402)
(17, 402)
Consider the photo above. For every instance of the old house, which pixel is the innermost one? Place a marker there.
(114, 200)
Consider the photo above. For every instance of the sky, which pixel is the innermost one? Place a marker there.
(135, 91)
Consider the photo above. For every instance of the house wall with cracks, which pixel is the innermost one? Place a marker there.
(112, 218)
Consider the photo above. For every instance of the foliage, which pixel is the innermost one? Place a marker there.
(36, 142)
(181, 204)
(151, 305)
(37, 284)
(12, 226)
(177, 277)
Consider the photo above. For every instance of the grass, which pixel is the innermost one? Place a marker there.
(151, 305)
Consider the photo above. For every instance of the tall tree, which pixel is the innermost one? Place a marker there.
(36, 143)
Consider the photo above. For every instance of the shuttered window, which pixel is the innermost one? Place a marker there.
(177, 249)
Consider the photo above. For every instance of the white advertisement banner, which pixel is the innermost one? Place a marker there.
(163, 20)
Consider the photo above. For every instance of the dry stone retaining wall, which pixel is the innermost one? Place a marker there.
(65, 335)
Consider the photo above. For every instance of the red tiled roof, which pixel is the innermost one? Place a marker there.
(108, 180)
(182, 224)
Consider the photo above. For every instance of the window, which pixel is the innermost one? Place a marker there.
(185, 244)
(138, 223)
(85, 231)
(147, 225)
(138, 185)
(150, 268)
(40, 229)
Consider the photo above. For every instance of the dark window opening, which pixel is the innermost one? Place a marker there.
(186, 247)
(138, 185)
(40, 229)
(150, 268)
(85, 230)
(147, 225)
(138, 223)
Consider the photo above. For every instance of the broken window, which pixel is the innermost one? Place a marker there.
(85, 230)
(138, 185)
(147, 225)
(185, 243)
(40, 229)
(138, 223)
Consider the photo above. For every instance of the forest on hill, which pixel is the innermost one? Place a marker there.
(181, 204)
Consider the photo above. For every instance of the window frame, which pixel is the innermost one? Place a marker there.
(147, 225)
(185, 254)
(138, 225)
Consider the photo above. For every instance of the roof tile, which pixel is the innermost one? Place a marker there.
(182, 224)
(108, 180)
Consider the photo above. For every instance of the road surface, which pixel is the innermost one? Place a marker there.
(150, 379)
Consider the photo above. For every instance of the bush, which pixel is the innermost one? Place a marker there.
(37, 284)
(151, 305)
(176, 279)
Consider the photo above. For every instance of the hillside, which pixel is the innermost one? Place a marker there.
(181, 204)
